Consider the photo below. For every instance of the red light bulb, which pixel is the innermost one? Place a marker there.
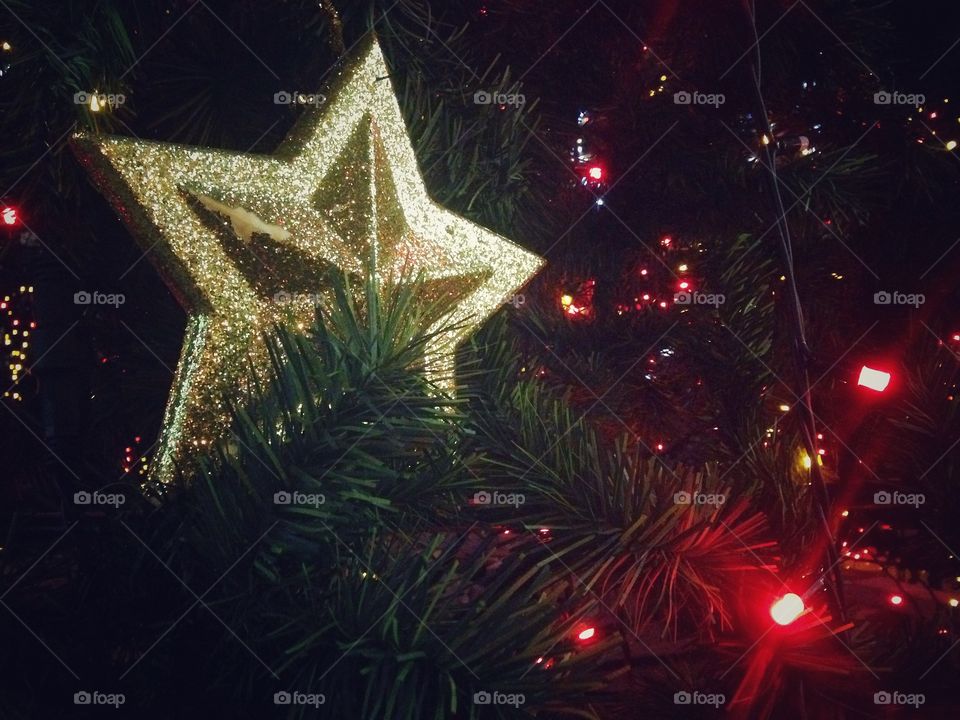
(586, 634)
(9, 215)
(596, 173)
(787, 609)
(874, 379)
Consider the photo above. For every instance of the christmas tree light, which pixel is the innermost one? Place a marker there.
(787, 609)
(873, 379)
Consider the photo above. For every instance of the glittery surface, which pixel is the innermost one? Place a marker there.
(244, 241)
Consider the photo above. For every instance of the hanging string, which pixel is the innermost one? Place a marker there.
(336, 27)
(821, 496)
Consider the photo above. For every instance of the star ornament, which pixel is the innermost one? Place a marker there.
(247, 241)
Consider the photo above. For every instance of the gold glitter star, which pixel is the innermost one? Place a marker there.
(247, 241)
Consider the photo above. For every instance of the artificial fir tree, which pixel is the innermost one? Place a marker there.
(607, 396)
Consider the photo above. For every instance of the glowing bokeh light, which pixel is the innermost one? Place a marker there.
(873, 379)
(787, 609)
